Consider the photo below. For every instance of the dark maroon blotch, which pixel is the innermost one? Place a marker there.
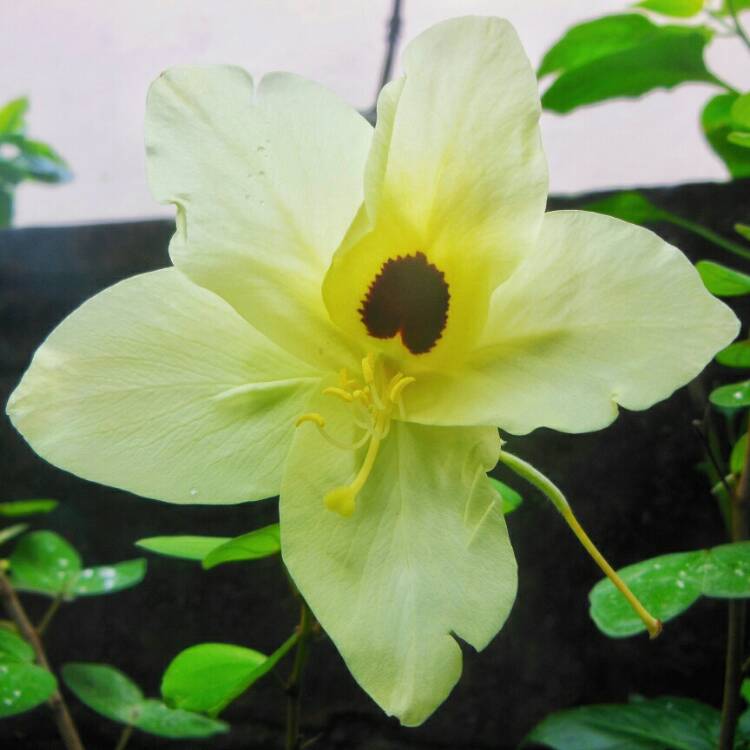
(409, 296)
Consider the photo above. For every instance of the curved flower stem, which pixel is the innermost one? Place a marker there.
(739, 29)
(17, 613)
(294, 684)
(49, 615)
(553, 493)
(730, 708)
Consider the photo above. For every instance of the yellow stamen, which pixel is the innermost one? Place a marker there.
(340, 392)
(398, 388)
(343, 500)
(313, 417)
(368, 369)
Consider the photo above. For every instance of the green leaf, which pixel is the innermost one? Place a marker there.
(737, 459)
(739, 138)
(105, 690)
(23, 687)
(593, 40)
(735, 355)
(716, 121)
(16, 508)
(740, 112)
(510, 498)
(6, 207)
(675, 723)
(732, 396)
(743, 230)
(184, 547)
(628, 205)
(41, 162)
(14, 648)
(111, 693)
(9, 532)
(669, 584)
(746, 690)
(675, 8)
(618, 56)
(43, 562)
(107, 579)
(174, 723)
(251, 546)
(12, 115)
(209, 676)
(722, 280)
(23, 684)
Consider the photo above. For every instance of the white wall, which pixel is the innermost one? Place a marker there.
(86, 64)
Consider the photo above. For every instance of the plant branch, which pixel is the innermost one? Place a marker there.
(730, 709)
(124, 737)
(294, 684)
(738, 27)
(49, 615)
(17, 613)
(394, 31)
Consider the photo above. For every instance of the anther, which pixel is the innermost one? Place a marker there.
(315, 418)
(340, 392)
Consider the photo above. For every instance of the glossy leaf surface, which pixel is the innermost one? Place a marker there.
(107, 579)
(15, 508)
(111, 693)
(735, 355)
(716, 121)
(184, 547)
(722, 280)
(675, 723)
(667, 585)
(209, 676)
(622, 56)
(251, 546)
(732, 396)
(675, 8)
(45, 563)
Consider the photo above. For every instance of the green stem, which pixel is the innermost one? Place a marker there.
(49, 615)
(294, 684)
(124, 737)
(553, 493)
(17, 613)
(730, 709)
(741, 33)
(706, 234)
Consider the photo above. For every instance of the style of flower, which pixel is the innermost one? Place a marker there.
(351, 315)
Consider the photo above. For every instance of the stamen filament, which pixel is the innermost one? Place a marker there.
(340, 392)
(548, 488)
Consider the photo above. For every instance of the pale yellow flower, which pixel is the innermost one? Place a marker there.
(398, 292)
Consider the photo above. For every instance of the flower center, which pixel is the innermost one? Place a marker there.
(372, 401)
(409, 296)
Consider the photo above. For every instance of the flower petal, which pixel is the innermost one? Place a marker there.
(425, 556)
(456, 172)
(602, 313)
(266, 183)
(159, 387)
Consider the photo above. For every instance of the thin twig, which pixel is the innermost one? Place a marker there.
(741, 33)
(394, 31)
(294, 684)
(17, 613)
(49, 615)
(124, 737)
(730, 709)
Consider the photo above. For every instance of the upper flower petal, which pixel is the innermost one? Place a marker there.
(159, 387)
(456, 173)
(425, 556)
(602, 313)
(266, 183)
